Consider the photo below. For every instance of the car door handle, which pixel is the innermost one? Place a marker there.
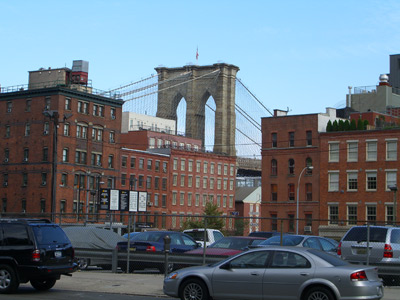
(255, 274)
(304, 274)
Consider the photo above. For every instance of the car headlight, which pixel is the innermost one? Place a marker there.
(173, 275)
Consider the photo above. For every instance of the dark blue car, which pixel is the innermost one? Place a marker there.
(153, 241)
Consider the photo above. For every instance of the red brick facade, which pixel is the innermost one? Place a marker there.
(288, 142)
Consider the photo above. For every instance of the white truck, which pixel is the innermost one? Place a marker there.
(212, 235)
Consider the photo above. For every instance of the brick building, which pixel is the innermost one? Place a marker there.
(178, 178)
(60, 140)
(289, 145)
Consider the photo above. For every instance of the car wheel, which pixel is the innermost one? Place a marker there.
(43, 284)
(169, 270)
(319, 293)
(8, 280)
(83, 263)
(193, 289)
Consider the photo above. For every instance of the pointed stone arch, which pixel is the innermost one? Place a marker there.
(196, 84)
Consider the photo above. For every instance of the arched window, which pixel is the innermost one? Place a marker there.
(274, 167)
(291, 166)
(308, 164)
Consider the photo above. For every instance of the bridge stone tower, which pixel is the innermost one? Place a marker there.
(196, 84)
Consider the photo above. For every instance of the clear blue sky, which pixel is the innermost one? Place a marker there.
(296, 54)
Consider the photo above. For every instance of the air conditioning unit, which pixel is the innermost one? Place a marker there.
(149, 203)
(25, 159)
(307, 228)
(99, 164)
(112, 141)
(5, 184)
(6, 160)
(44, 183)
(113, 117)
(8, 110)
(46, 132)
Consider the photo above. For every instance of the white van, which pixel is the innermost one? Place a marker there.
(212, 235)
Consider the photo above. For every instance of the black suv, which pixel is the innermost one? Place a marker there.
(34, 250)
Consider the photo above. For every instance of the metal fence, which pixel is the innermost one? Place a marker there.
(365, 242)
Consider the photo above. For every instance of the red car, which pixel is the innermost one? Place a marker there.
(229, 245)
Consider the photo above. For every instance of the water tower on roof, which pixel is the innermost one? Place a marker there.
(80, 72)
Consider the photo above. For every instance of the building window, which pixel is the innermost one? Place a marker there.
(274, 192)
(371, 214)
(309, 137)
(197, 182)
(175, 179)
(141, 163)
(333, 184)
(219, 168)
(274, 222)
(157, 166)
(8, 131)
(28, 105)
(391, 179)
(111, 161)
(23, 205)
(333, 214)
(133, 162)
(148, 182)
(164, 184)
(182, 198)
(189, 199)
(308, 191)
(65, 155)
(149, 164)
(352, 151)
(124, 161)
(174, 196)
(291, 166)
(371, 180)
(67, 103)
(42, 205)
(212, 168)
(225, 169)
(66, 129)
(333, 152)
(5, 180)
(113, 114)
(81, 131)
(205, 167)
(190, 181)
(24, 179)
(164, 166)
(352, 215)
(205, 183)
(141, 181)
(47, 101)
(309, 164)
(291, 139)
(183, 165)
(389, 215)
(97, 134)
(391, 150)
(46, 128)
(274, 139)
(26, 155)
(64, 179)
(45, 156)
(291, 192)
(27, 129)
(274, 167)
(372, 148)
(156, 183)
(182, 180)
(62, 206)
(352, 181)
(198, 166)
(112, 137)
(6, 155)
(80, 157)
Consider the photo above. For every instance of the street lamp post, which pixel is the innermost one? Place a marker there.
(393, 188)
(297, 202)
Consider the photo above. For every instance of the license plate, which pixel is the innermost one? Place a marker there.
(57, 254)
(132, 249)
(362, 251)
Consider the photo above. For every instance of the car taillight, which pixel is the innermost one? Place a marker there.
(388, 251)
(358, 276)
(339, 249)
(36, 255)
(151, 249)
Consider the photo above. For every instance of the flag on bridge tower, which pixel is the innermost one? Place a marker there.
(197, 53)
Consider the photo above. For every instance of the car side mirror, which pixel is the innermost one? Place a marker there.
(199, 245)
(226, 266)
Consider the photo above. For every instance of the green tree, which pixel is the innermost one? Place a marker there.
(212, 214)
(353, 125)
(360, 124)
(346, 125)
(341, 125)
(335, 126)
(329, 126)
(366, 123)
(240, 226)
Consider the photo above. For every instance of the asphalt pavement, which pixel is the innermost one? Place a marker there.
(141, 284)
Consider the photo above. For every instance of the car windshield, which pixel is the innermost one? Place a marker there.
(50, 235)
(231, 243)
(359, 234)
(329, 258)
(287, 240)
(197, 235)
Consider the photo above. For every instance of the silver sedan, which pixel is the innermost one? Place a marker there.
(274, 273)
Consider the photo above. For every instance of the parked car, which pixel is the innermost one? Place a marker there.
(310, 241)
(383, 249)
(131, 235)
(276, 273)
(212, 235)
(264, 234)
(35, 251)
(153, 241)
(229, 245)
(87, 239)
